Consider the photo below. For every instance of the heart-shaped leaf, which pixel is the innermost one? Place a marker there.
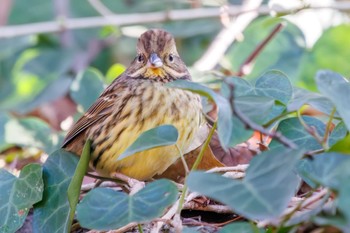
(52, 213)
(163, 135)
(105, 209)
(265, 191)
(225, 126)
(31, 132)
(294, 131)
(241, 227)
(337, 89)
(87, 87)
(327, 169)
(17, 195)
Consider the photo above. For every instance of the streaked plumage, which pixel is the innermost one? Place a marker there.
(135, 102)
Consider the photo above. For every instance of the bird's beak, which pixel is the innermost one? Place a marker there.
(155, 61)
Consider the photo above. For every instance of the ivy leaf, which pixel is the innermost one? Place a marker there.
(265, 191)
(31, 132)
(52, 213)
(17, 195)
(241, 227)
(327, 169)
(294, 131)
(225, 126)
(75, 185)
(337, 89)
(87, 87)
(106, 209)
(163, 135)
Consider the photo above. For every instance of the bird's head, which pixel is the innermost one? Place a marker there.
(157, 57)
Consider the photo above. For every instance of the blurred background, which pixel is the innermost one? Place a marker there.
(57, 56)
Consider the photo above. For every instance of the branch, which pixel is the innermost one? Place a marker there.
(227, 35)
(253, 126)
(146, 18)
(246, 67)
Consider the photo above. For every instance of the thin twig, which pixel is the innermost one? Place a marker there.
(227, 35)
(310, 129)
(328, 128)
(187, 170)
(253, 126)
(146, 18)
(220, 209)
(238, 168)
(247, 65)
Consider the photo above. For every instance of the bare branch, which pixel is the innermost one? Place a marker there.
(252, 125)
(5, 10)
(146, 18)
(247, 65)
(227, 35)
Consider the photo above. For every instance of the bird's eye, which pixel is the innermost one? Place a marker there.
(140, 58)
(171, 57)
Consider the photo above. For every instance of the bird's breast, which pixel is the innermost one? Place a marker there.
(148, 106)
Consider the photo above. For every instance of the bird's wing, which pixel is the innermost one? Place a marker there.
(101, 109)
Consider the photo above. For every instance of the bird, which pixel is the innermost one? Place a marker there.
(136, 101)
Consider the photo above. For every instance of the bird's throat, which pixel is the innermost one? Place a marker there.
(155, 73)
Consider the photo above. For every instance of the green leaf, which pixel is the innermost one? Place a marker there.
(17, 195)
(75, 185)
(225, 126)
(294, 131)
(338, 133)
(31, 132)
(49, 94)
(163, 135)
(242, 87)
(256, 108)
(264, 101)
(284, 52)
(343, 202)
(327, 169)
(4, 118)
(331, 51)
(239, 133)
(337, 89)
(263, 193)
(87, 87)
(276, 85)
(52, 213)
(23, 12)
(315, 100)
(105, 209)
(240, 227)
(114, 71)
(342, 146)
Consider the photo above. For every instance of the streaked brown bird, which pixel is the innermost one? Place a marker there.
(139, 100)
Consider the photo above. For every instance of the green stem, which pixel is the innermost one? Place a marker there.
(204, 147)
(328, 128)
(273, 120)
(312, 131)
(140, 228)
(182, 199)
(195, 165)
(183, 159)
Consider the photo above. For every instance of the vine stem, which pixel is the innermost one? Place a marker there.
(249, 124)
(194, 167)
(328, 128)
(310, 129)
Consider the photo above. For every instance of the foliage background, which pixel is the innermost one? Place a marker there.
(49, 77)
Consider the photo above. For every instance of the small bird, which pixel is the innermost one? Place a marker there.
(136, 101)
